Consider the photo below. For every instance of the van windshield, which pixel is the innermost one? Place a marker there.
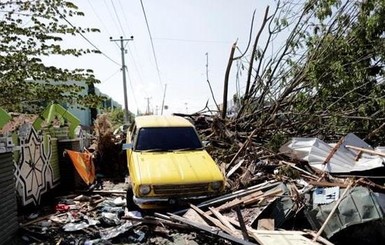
(167, 139)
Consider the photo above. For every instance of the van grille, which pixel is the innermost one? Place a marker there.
(177, 190)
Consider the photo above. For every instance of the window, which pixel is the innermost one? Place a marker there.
(167, 138)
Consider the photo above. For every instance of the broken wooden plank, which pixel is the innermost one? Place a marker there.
(277, 237)
(209, 229)
(319, 238)
(242, 223)
(233, 169)
(211, 219)
(333, 151)
(236, 194)
(156, 221)
(266, 224)
(225, 222)
(191, 214)
(326, 184)
(238, 201)
(239, 224)
(282, 238)
(255, 199)
(365, 150)
(309, 175)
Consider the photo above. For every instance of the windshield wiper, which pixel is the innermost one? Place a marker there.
(189, 149)
(155, 150)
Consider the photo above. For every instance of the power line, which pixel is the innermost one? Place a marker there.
(112, 75)
(191, 40)
(126, 45)
(152, 43)
(124, 16)
(132, 88)
(100, 20)
(117, 17)
(111, 15)
(85, 38)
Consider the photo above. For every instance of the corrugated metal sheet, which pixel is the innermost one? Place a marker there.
(343, 160)
(360, 205)
(8, 205)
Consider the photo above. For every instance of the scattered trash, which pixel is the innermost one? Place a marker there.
(109, 233)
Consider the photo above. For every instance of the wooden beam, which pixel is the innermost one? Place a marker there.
(236, 194)
(242, 223)
(365, 150)
(225, 222)
(211, 219)
(333, 151)
(210, 230)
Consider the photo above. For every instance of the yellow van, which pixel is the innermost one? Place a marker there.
(167, 163)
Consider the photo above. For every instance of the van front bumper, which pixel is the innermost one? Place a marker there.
(156, 202)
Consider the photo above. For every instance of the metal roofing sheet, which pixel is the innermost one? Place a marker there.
(344, 160)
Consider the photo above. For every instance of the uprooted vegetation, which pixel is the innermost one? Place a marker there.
(325, 80)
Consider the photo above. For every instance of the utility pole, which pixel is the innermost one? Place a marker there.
(164, 96)
(148, 105)
(122, 40)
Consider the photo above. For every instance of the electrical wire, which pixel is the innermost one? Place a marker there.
(85, 38)
(124, 16)
(117, 17)
(152, 43)
(135, 62)
(111, 76)
(111, 15)
(126, 45)
(191, 40)
(132, 88)
(101, 21)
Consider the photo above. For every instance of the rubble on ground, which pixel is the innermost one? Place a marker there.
(310, 192)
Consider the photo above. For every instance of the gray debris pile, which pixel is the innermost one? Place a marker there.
(311, 192)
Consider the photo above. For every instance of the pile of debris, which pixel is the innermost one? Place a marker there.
(309, 192)
(101, 217)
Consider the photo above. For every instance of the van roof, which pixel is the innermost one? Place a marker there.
(161, 121)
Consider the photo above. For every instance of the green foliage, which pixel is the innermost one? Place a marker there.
(116, 117)
(30, 30)
(276, 141)
(348, 66)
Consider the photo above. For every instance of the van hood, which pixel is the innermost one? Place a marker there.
(176, 167)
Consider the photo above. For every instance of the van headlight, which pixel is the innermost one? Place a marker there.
(144, 189)
(216, 185)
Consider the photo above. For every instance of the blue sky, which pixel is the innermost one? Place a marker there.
(183, 31)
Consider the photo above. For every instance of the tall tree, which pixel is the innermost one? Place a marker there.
(326, 77)
(29, 31)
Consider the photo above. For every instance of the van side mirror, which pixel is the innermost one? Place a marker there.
(127, 146)
(205, 143)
